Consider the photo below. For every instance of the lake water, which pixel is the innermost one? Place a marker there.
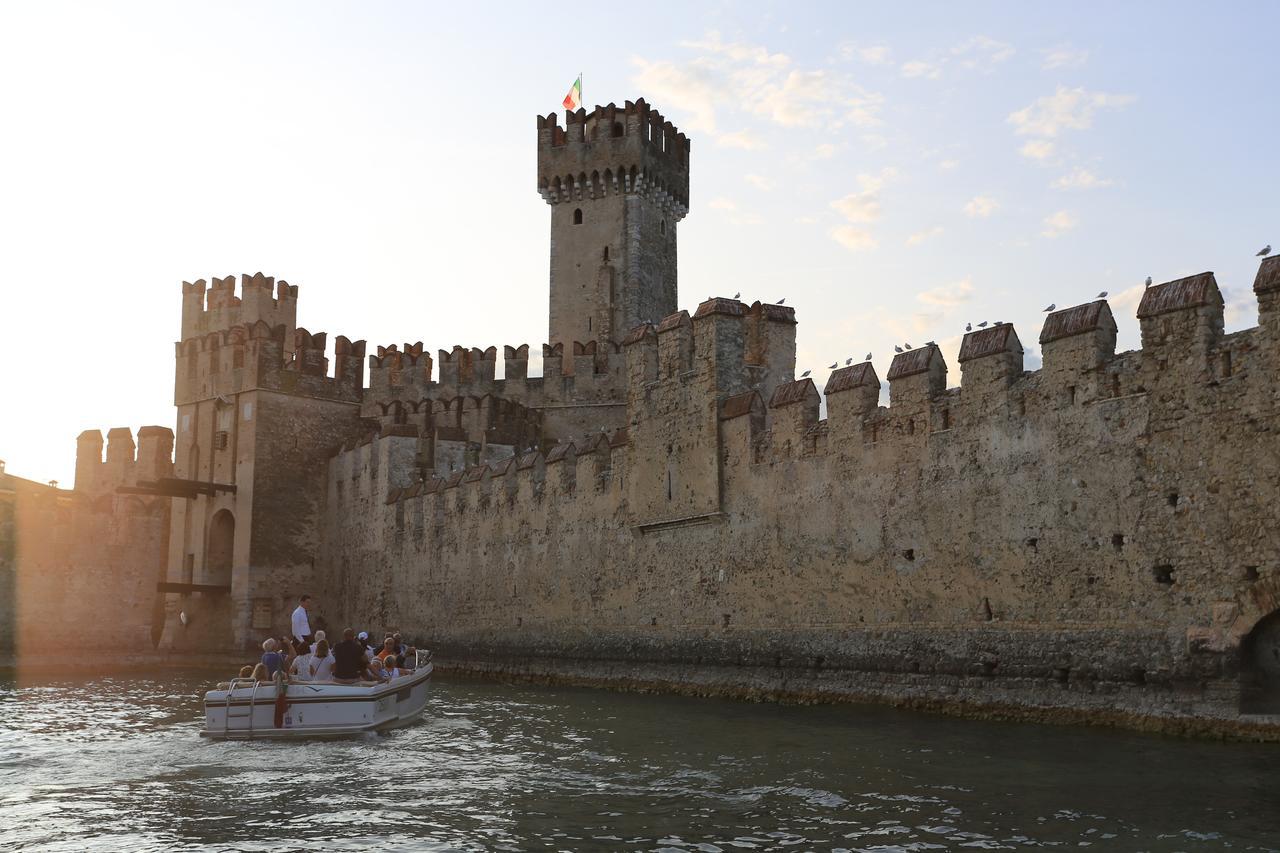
(116, 764)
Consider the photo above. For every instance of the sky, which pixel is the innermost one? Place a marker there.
(894, 171)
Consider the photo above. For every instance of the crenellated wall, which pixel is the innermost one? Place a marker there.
(86, 561)
(1091, 537)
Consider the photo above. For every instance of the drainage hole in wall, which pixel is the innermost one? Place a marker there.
(1251, 573)
(909, 555)
(1117, 541)
(1163, 575)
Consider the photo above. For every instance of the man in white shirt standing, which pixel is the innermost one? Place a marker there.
(302, 626)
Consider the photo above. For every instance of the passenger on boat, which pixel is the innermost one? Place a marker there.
(377, 672)
(388, 648)
(246, 671)
(409, 660)
(391, 667)
(400, 647)
(320, 635)
(260, 673)
(322, 662)
(302, 625)
(273, 659)
(300, 669)
(349, 659)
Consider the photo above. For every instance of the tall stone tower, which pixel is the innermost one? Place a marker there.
(617, 181)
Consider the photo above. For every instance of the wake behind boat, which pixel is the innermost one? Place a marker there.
(248, 709)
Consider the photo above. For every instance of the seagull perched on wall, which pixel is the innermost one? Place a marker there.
(1264, 251)
(805, 375)
(931, 344)
(738, 295)
(848, 361)
(1102, 295)
(968, 327)
(868, 358)
(1052, 305)
(782, 301)
(1148, 281)
(834, 366)
(897, 348)
(908, 346)
(982, 325)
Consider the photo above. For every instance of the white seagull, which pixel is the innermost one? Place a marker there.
(1148, 284)
(1264, 251)
(1052, 305)
(897, 348)
(1102, 295)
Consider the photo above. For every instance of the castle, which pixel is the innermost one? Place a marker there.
(664, 507)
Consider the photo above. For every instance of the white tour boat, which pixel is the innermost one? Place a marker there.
(249, 709)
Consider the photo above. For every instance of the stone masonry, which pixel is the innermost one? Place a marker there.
(666, 508)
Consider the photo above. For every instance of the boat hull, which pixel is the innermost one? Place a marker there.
(315, 710)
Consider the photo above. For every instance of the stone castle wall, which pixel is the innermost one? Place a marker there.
(81, 566)
(1093, 536)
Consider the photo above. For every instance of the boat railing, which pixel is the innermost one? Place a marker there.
(253, 697)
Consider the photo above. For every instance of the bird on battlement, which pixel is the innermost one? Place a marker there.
(982, 325)
(1102, 295)
(908, 346)
(968, 327)
(834, 366)
(932, 344)
(848, 361)
(805, 375)
(868, 358)
(1052, 305)
(782, 301)
(1264, 251)
(897, 348)
(1148, 284)
(738, 295)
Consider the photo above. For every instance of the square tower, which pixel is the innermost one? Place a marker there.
(617, 181)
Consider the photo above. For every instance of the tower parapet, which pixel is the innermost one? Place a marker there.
(617, 181)
(260, 299)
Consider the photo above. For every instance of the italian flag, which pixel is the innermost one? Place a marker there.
(573, 100)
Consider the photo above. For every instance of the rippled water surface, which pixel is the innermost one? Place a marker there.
(116, 764)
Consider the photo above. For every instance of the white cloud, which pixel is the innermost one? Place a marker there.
(1080, 179)
(948, 295)
(750, 79)
(1057, 224)
(863, 206)
(1065, 109)
(980, 207)
(948, 165)
(876, 55)
(722, 204)
(920, 236)
(874, 141)
(853, 239)
(920, 68)
(1037, 149)
(824, 150)
(760, 182)
(982, 53)
(744, 139)
(1063, 56)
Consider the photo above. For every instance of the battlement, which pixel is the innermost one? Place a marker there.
(126, 462)
(260, 356)
(261, 299)
(612, 151)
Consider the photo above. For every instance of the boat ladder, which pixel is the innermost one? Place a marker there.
(253, 697)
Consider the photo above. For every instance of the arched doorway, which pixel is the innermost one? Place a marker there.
(222, 534)
(1260, 667)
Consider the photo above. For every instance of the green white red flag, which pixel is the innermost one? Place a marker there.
(573, 100)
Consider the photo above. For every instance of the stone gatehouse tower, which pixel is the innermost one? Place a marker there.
(617, 181)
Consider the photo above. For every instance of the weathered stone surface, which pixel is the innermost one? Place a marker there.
(1090, 541)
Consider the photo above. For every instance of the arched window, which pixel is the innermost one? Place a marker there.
(577, 216)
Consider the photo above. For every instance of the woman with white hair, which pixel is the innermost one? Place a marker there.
(273, 660)
(319, 635)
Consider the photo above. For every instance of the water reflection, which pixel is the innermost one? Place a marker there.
(116, 764)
